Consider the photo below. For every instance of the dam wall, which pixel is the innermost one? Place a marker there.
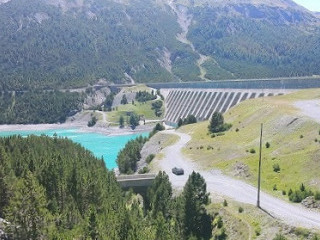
(202, 103)
(272, 83)
(202, 99)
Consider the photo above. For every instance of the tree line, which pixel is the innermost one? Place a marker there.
(36, 107)
(52, 188)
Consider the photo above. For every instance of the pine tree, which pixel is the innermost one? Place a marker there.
(4, 186)
(216, 123)
(160, 196)
(124, 99)
(180, 122)
(196, 221)
(121, 121)
(93, 225)
(27, 209)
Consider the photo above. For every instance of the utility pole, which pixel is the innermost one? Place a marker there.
(259, 173)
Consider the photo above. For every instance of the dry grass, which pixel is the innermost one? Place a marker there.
(298, 158)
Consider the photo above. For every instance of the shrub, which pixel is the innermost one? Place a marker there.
(225, 203)
(92, 122)
(220, 134)
(150, 158)
(240, 210)
(284, 192)
(298, 195)
(267, 144)
(275, 187)
(279, 236)
(124, 99)
(143, 96)
(217, 123)
(252, 151)
(317, 195)
(237, 129)
(144, 170)
(301, 136)
(276, 167)
(257, 230)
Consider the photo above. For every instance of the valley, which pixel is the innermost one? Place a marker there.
(141, 120)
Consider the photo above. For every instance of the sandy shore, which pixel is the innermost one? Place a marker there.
(112, 131)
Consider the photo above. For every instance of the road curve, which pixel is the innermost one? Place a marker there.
(217, 183)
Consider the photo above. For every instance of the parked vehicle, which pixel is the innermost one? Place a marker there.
(177, 171)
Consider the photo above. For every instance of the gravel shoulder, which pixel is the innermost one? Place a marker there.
(310, 108)
(219, 184)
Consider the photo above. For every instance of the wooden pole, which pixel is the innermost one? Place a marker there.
(259, 173)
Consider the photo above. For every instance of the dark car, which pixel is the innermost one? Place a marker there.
(177, 171)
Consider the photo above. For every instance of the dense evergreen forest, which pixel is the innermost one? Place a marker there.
(46, 44)
(249, 41)
(52, 188)
(38, 106)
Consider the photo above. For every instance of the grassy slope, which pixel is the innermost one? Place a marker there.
(298, 157)
(254, 223)
(139, 108)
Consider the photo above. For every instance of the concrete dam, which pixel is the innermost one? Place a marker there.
(202, 103)
(202, 99)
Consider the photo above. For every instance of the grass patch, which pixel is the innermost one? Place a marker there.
(139, 108)
(298, 157)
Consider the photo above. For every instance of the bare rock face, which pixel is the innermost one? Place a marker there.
(3, 224)
(310, 202)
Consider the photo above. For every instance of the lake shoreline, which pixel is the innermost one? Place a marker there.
(110, 131)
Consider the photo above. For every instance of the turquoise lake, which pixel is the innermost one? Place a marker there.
(101, 145)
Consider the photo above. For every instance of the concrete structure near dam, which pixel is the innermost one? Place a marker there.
(202, 99)
(134, 181)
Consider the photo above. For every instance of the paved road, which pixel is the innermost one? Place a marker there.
(217, 183)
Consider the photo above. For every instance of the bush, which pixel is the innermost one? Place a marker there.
(217, 123)
(284, 192)
(150, 158)
(276, 167)
(275, 187)
(92, 122)
(279, 236)
(257, 230)
(156, 106)
(301, 136)
(252, 150)
(124, 99)
(144, 170)
(143, 96)
(317, 195)
(134, 120)
(267, 145)
(298, 195)
(225, 203)
(240, 210)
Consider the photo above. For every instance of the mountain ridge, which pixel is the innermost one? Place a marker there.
(51, 44)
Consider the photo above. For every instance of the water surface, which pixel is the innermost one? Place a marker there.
(101, 145)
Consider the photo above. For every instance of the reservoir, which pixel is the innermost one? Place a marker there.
(100, 145)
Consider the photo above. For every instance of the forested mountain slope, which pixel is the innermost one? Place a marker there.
(67, 43)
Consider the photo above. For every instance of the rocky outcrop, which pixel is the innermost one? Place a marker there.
(311, 202)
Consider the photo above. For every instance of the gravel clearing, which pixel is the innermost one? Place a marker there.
(310, 108)
(219, 184)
